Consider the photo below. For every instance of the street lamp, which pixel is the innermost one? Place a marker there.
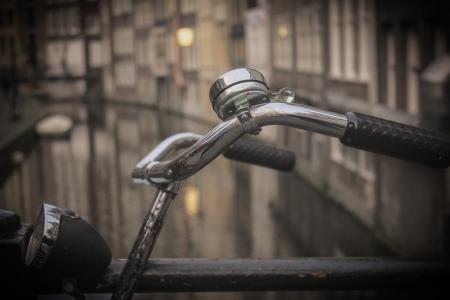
(55, 126)
(185, 36)
(283, 31)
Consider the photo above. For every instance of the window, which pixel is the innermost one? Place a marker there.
(350, 45)
(95, 54)
(282, 46)
(358, 162)
(142, 51)
(412, 68)
(74, 57)
(123, 40)
(159, 7)
(187, 6)
(92, 24)
(439, 41)
(164, 9)
(335, 36)
(189, 93)
(146, 87)
(399, 66)
(237, 11)
(170, 40)
(189, 58)
(59, 22)
(307, 144)
(50, 23)
(237, 52)
(391, 69)
(121, 7)
(54, 57)
(160, 55)
(72, 21)
(124, 73)
(162, 89)
(192, 91)
(316, 42)
(143, 13)
(364, 10)
(170, 8)
(160, 47)
(65, 57)
(150, 54)
(309, 44)
(367, 165)
(349, 38)
(345, 156)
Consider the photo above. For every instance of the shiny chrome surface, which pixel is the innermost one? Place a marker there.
(197, 156)
(233, 77)
(236, 89)
(244, 93)
(238, 96)
(153, 221)
(223, 135)
(44, 235)
(143, 246)
(300, 116)
(164, 149)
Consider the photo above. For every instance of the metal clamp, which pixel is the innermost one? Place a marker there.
(248, 123)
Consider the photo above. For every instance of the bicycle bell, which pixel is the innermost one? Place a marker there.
(242, 88)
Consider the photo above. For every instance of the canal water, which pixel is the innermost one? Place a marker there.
(227, 210)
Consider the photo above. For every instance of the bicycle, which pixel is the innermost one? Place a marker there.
(243, 101)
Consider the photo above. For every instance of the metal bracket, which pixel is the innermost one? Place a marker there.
(248, 123)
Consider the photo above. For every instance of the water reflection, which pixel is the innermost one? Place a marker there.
(226, 210)
(212, 216)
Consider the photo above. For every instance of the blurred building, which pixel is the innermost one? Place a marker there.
(165, 53)
(370, 57)
(386, 58)
(21, 37)
(72, 47)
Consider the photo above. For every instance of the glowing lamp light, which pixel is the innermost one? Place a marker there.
(185, 36)
(283, 31)
(192, 200)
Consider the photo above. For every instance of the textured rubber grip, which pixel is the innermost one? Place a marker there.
(261, 154)
(397, 140)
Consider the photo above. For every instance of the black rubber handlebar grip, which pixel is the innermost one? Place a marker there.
(397, 140)
(261, 154)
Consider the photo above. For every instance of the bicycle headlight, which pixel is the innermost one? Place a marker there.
(62, 243)
(44, 236)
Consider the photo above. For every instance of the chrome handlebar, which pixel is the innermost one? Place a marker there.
(243, 100)
(249, 120)
(164, 149)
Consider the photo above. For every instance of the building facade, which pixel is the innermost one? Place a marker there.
(165, 53)
(374, 57)
(72, 48)
(370, 57)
